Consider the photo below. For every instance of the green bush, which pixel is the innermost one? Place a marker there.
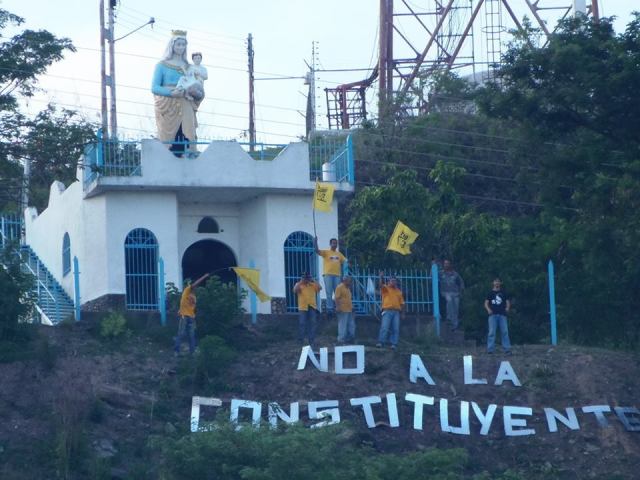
(16, 301)
(299, 453)
(219, 308)
(213, 357)
(113, 326)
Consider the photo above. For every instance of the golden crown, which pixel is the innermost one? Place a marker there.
(179, 33)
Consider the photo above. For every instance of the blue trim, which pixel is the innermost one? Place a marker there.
(253, 300)
(76, 289)
(141, 270)
(299, 257)
(435, 286)
(161, 292)
(66, 254)
(552, 304)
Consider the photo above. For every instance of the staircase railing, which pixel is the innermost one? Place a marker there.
(52, 302)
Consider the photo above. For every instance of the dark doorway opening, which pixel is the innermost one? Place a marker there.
(209, 256)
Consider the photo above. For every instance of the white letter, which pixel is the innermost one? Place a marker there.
(598, 410)
(463, 429)
(631, 424)
(340, 351)
(276, 411)
(485, 419)
(510, 422)
(418, 370)
(553, 416)
(237, 404)
(505, 372)
(468, 372)
(315, 414)
(420, 401)
(195, 411)
(392, 408)
(365, 403)
(306, 352)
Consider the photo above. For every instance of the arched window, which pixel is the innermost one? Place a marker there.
(141, 270)
(66, 254)
(208, 225)
(299, 257)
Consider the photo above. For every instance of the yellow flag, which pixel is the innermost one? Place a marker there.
(323, 196)
(251, 277)
(402, 239)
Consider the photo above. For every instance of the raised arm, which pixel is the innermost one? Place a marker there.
(315, 245)
(381, 279)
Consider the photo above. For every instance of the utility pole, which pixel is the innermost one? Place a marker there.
(103, 73)
(252, 102)
(310, 80)
(385, 65)
(112, 71)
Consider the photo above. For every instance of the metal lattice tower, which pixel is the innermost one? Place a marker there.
(419, 38)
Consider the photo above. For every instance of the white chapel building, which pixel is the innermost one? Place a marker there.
(138, 216)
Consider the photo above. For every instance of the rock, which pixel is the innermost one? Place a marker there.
(104, 448)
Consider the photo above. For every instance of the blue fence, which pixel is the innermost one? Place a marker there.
(141, 270)
(299, 257)
(10, 229)
(331, 159)
(415, 284)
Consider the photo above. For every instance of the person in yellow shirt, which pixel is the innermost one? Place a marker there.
(187, 316)
(392, 303)
(332, 261)
(344, 310)
(307, 290)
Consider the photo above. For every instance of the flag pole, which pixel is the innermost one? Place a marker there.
(313, 210)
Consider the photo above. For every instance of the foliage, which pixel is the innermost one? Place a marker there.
(16, 301)
(113, 326)
(299, 453)
(576, 106)
(545, 166)
(212, 358)
(53, 140)
(219, 308)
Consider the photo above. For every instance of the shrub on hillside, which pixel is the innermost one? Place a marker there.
(113, 326)
(301, 453)
(16, 301)
(219, 308)
(212, 358)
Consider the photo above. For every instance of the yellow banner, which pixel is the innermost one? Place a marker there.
(251, 277)
(323, 197)
(402, 239)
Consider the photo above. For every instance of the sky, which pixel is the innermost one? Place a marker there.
(343, 34)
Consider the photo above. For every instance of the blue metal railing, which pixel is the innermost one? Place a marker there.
(299, 257)
(415, 284)
(331, 159)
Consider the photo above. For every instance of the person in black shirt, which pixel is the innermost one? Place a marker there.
(497, 306)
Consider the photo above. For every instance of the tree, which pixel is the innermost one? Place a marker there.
(53, 140)
(576, 105)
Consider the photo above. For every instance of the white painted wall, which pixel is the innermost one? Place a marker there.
(254, 229)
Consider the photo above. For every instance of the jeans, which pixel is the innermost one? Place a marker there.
(494, 320)
(307, 325)
(186, 329)
(331, 282)
(453, 307)
(390, 322)
(346, 327)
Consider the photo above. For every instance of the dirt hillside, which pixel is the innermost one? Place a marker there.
(109, 397)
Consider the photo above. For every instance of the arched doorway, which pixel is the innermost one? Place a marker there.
(207, 256)
(141, 269)
(299, 257)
